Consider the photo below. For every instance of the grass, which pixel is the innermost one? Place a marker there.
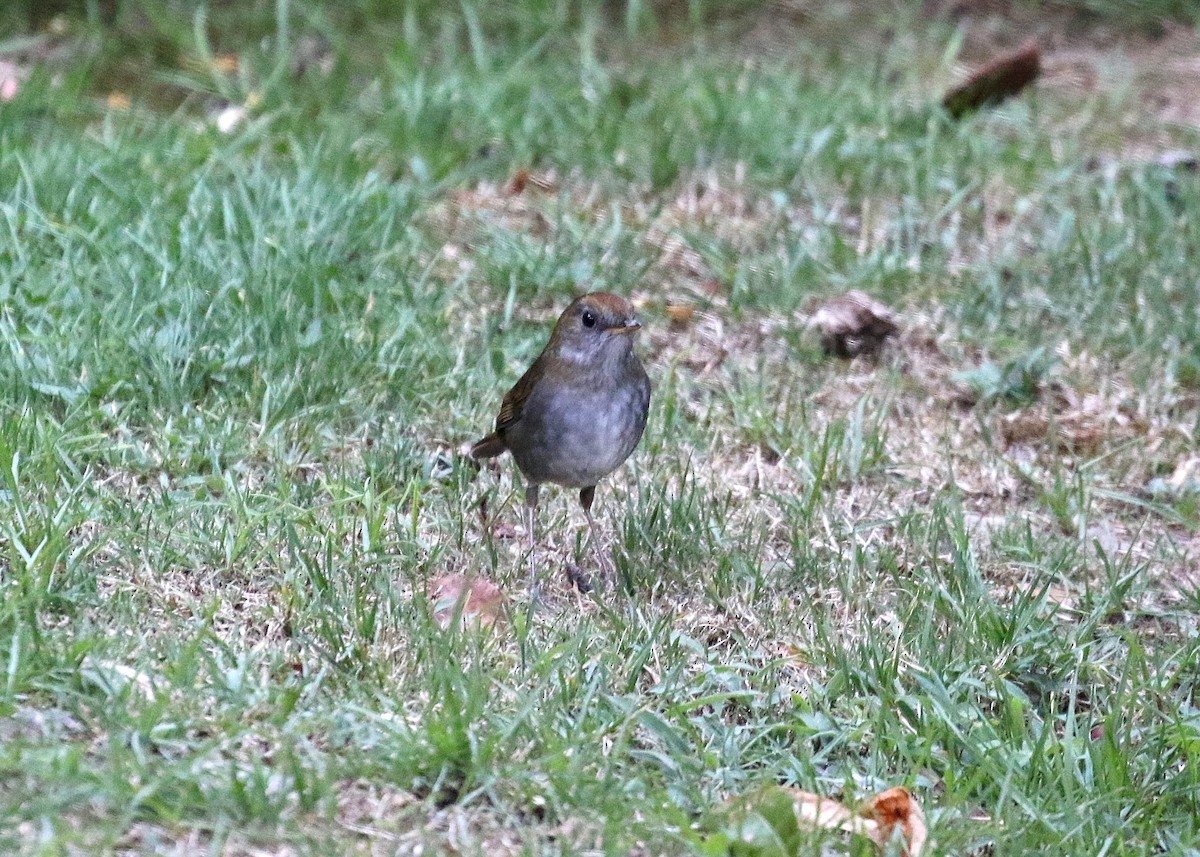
(239, 368)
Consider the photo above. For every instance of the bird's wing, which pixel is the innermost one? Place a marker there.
(510, 413)
(514, 399)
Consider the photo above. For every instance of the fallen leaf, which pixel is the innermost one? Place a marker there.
(768, 822)
(896, 810)
(459, 596)
(852, 324)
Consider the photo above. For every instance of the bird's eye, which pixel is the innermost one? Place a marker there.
(589, 318)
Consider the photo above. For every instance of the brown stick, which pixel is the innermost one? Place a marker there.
(1002, 77)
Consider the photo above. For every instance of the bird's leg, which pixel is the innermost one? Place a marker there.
(586, 496)
(531, 501)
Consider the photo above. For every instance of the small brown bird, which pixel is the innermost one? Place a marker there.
(579, 410)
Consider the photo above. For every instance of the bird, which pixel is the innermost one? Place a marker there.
(578, 411)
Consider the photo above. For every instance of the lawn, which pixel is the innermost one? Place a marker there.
(265, 268)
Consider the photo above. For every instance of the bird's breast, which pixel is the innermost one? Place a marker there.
(575, 434)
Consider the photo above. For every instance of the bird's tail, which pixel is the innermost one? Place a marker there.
(488, 447)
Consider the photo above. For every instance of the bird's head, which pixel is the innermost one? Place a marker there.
(595, 327)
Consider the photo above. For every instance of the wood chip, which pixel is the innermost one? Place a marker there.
(1001, 78)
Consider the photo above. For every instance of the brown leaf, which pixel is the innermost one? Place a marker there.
(852, 324)
(896, 809)
(1001, 78)
(878, 819)
(478, 600)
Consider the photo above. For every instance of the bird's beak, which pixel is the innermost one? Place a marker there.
(631, 325)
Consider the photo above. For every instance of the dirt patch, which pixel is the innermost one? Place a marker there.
(1007, 462)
